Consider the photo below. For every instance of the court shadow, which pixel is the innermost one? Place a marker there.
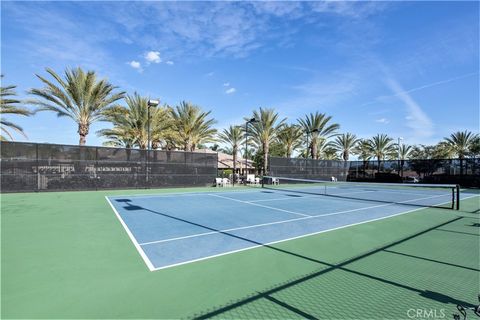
(326, 267)
(444, 299)
(123, 200)
(245, 303)
(460, 232)
(132, 208)
(431, 260)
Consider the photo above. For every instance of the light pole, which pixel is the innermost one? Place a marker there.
(252, 120)
(150, 103)
(399, 156)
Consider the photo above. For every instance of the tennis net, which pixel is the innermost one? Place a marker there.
(419, 195)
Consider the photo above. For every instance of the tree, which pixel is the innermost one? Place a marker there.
(192, 126)
(344, 144)
(330, 153)
(324, 129)
(130, 123)
(233, 136)
(443, 150)
(474, 149)
(404, 153)
(381, 146)
(422, 152)
(460, 143)
(290, 137)
(80, 97)
(9, 105)
(264, 131)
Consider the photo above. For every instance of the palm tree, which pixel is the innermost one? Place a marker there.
(192, 126)
(363, 150)
(265, 130)
(130, 123)
(345, 144)
(160, 125)
(330, 153)
(460, 143)
(232, 136)
(319, 127)
(474, 148)
(9, 105)
(382, 146)
(290, 137)
(80, 96)
(403, 153)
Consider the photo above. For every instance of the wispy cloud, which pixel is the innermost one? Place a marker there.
(383, 121)
(230, 90)
(226, 84)
(169, 62)
(223, 28)
(416, 118)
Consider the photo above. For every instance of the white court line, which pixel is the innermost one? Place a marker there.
(259, 205)
(283, 240)
(273, 223)
(152, 268)
(132, 238)
(186, 194)
(283, 198)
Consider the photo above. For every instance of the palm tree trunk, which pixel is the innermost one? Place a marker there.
(234, 165)
(265, 158)
(461, 164)
(314, 149)
(83, 132)
(378, 164)
(188, 146)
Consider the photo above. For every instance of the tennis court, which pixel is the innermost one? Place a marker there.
(169, 230)
(222, 252)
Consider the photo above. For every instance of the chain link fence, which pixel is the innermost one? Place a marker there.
(50, 167)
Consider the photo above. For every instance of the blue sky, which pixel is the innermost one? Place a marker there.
(407, 69)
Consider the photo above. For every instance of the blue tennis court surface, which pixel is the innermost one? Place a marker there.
(173, 229)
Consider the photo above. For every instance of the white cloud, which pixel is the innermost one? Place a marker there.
(383, 120)
(153, 57)
(135, 64)
(230, 90)
(417, 119)
(169, 62)
(210, 74)
(226, 84)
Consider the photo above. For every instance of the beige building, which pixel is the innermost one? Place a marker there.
(225, 162)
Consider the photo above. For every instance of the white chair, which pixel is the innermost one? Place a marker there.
(226, 182)
(275, 181)
(218, 182)
(257, 181)
(250, 179)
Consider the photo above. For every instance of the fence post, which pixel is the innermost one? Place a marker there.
(36, 162)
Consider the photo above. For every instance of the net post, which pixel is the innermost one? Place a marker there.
(457, 188)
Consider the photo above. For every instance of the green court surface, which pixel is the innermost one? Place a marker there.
(66, 255)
